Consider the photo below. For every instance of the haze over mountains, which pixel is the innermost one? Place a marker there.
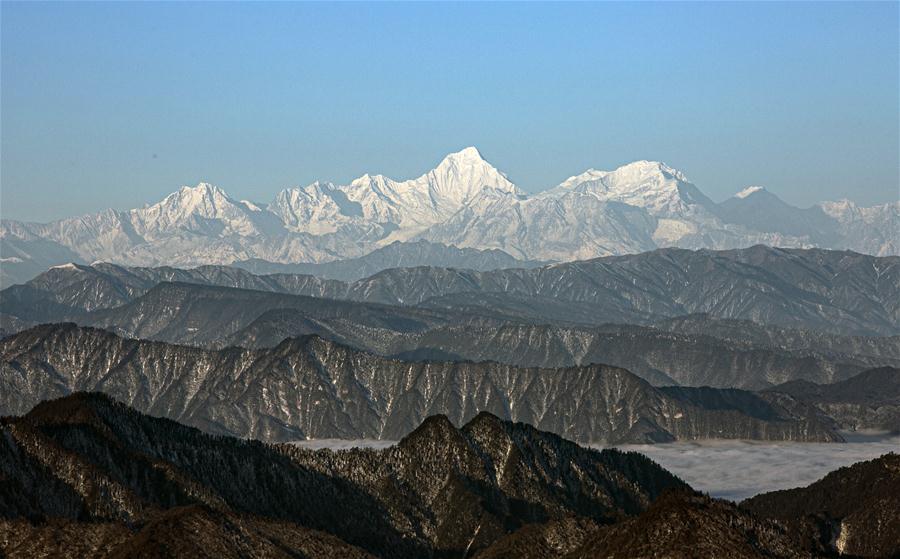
(464, 202)
(311, 388)
(753, 318)
(839, 292)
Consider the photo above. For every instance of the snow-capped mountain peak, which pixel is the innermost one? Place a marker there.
(463, 201)
(653, 185)
(318, 208)
(200, 209)
(462, 175)
(410, 205)
(629, 177)
(470, 154)
(204, 198)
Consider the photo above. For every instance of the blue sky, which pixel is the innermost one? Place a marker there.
(117, 104)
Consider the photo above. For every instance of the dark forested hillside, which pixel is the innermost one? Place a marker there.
(87, 476)
(441, 491)
(853, 510)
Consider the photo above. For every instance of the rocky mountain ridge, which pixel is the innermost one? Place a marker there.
(838, 292)
(313, 388)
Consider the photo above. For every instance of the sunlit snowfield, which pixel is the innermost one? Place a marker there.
(739, 469)
(729, 469)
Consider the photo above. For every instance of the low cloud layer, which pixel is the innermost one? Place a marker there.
(739, 469)
(732, 470)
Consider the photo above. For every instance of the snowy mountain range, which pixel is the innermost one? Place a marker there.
(463, 202)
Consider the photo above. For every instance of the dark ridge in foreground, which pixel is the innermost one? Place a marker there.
(313, 388)
(87, 476)
(854, 510)
(150, 485)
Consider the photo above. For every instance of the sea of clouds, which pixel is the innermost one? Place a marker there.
(739, 469)
(728, 469)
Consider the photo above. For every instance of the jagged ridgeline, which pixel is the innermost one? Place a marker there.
(441, 490)
(86, 476)
(766, 316)
(463, 202)
(313, 388)
(838, 292)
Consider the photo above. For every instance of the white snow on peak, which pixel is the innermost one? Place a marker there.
(625, 177)
(196, 207)
(463, 201)
(470, 153)
(316, 208)
(587, 176)
(252, 206)
(748, 191)
(413, 204)
(66, 266)
(652, 185)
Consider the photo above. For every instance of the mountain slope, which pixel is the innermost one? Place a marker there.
(441, 491)
(395, 255)
(760, 210)
(869, 400)
(87, 476)
(852, 510)
(312, 388)
(680, 525)
(838, 292)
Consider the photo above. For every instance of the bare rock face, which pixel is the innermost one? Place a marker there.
(312, 388)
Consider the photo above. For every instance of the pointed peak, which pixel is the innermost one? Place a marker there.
(370, 178)
(317, 184)
(486, 422)
(647, 166)
(203, 187)
(470, 152)
(466, 156)
(435, 429)
(749, 191)
(191, 195)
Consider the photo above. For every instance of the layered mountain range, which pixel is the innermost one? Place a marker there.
(311, 388)
(831, 291)
(87, 476)
(869, 400)
(464, 202)
(632, 312)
